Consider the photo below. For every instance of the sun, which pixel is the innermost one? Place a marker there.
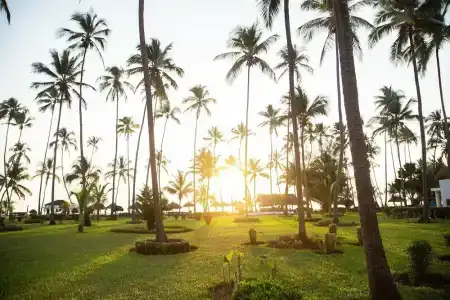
(229, 185)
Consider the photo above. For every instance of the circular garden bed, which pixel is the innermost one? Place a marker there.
(140, 229)
(172, 246)
(245, 220)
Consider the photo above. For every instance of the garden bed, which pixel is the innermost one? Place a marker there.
(172, 246)
(143, 230)
(8, 228)
(245, 220)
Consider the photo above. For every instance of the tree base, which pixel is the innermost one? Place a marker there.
(172, 246)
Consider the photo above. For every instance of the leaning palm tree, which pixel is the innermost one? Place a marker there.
(4, 6)
(115, 85)
(67, 141)
(166, 112)
(160, 234)
(180, 186)
(255, 171)
(9, 110)
(215, 137)
(381, 283)
(198, 102)
(405, 20)
(45, 170)
(93, 142)
(272, 120)
(127, 127)
(63, 76)
(248, 45)
(91, 35)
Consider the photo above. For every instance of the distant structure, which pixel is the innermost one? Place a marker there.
(442, 193)
(59, 208)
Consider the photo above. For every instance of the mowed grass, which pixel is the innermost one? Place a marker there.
(55, 262)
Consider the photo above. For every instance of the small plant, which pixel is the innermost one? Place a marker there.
(332, 228)
(446, 237)
(239, 269)
(359, 236)
(227, 259)
(330, 242)
(252, 236)
(264, 289)
(420, 256)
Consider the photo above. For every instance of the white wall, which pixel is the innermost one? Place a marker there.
(445, 192)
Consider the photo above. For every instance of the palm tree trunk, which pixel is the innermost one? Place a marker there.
(133, 211)
(393, 161)
(80, 111)
(128, 173)
(377, 187)
(441, 93)
(381, 283)
(43, 196)
(195, 156)
(254, 190)
(117, 194)
(385, 171)
(286, 188)
(422, 128)
(160, 234)
(207, 194)
(5, 163)
(20, 134)
(161, 152)
(246, 141)
(115, 154)
(55, 152)
(92, 155)
(98, 215)
(271, 164)
(402, 182)
(305, 180)
(298, 170)
(409, 154)
(62, 173)
(341, 137)
(276, 176)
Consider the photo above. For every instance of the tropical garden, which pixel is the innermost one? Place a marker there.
(349, 194)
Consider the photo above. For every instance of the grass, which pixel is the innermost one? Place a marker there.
(55, 262)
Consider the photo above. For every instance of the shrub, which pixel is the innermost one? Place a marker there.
(245, 220)
(446, 237)
(420, 256)
(111, 218)
(264, 289)
(324, 223)
(32, 221)
(414, 212)
(176, 216)
(183, 217)
(330, 242)
(359, 236)
(332, 228)
(172, 246)
(10, 228)
(312, 220)
(252, 236)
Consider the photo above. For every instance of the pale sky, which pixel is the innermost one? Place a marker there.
(199, 30)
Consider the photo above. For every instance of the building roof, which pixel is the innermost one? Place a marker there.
(56, 202)
(276, 199)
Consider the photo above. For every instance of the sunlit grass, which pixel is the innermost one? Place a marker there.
(54, 262)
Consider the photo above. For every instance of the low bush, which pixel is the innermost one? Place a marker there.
(245, 220)
(416, 212)
(324, 223)
(172, 246)
(286, 242)
(265, 289)
(32, 221)
(312, 220)
(446, 237)
(332, 228)
(420, 255)
(11, 227)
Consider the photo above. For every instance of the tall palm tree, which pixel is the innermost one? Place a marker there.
(407, 137)
(381, 283)
(45, 169)
(269, 10)
(115, 85)
(63, 75)
(248, 45)
(4, 6)
(404, 20)
(93, 142)
(436, 131)
(22, 120)
(215, 137)
(198, 102)
(47, 101)
(277, 157)
(166, 112)
(272, 120)
(240, 132)
(127, 127)
(121, 169)
(10, 109)
(16, 174)
(180, 186)
(100, 197)
(301, 62)
(20, 150)
(160, 234)
(67, 140)
(255, 171)
(91, 34)
(206, 165)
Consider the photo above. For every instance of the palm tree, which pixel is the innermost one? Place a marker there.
(215, 136)
(19, 150)
(10, 110)
(256, 170)
(277, 157)
(93, 142)
(240, 132)
(91, 35)
(198, 102)
(23, 121)
(63, 78)
(273, 120)
(269, 10)
(45, 169)
(166, 112)
(16, 174)
(381, 283)
(121, 169)
(404, 20)
(436, 130)
(180, 186)
(127, 127)
(100, 197)
(206, 166)
(248, 45)
(67, 140)
(4, 6)
(301, 62)
(115, 85)
(406, 136)
(47, 101)
(160, 234)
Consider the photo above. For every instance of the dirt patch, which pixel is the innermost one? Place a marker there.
(222, 291)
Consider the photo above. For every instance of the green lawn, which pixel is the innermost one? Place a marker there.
(58, 263)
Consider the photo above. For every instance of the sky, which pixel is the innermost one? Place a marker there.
(198, 30)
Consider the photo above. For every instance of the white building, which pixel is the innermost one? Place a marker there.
(59, 207)
(442, 193)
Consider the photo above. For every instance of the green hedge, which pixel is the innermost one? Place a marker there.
(416, 212)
